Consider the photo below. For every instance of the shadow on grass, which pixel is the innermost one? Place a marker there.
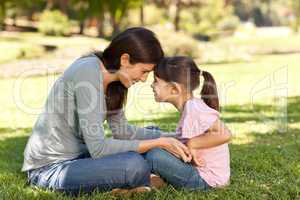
(266, 166)
(11, 149)
(243, 113)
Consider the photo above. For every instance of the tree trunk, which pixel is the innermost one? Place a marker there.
(142, 15)
(227, 3)
(177, 15)
(100, 25)
(81, 27)
(63, 5)
(2, 15)
(115, 25)
(50, 4)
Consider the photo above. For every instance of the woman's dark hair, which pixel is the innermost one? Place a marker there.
(142, 46)
(184, 70)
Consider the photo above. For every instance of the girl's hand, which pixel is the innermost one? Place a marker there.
(197, 160)
(175, 147)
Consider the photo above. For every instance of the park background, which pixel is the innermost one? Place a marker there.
(251, 47)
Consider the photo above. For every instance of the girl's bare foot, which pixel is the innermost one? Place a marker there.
(157, 182)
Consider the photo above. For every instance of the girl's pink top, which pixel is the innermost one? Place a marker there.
(196, 118)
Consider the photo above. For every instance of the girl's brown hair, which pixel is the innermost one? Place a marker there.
(184, 70)
(142, 46)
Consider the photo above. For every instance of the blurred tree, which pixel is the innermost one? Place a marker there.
(261, 12)
(80, 12)
(2, 13)
(118, 9)
(97, 10)
(209, 18)
(62, 5)
(295, 6)
(179, 6)
(27, 7)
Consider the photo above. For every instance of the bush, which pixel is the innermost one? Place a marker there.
(54, 23)
(184, 46)
(229, 23)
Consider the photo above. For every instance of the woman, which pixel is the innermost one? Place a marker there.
(67, 150)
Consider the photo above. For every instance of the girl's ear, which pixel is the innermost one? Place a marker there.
(176, 89)
(124, 60)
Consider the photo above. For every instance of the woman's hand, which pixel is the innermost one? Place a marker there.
(175, 147)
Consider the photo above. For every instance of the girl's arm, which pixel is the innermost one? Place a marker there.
(216, 135)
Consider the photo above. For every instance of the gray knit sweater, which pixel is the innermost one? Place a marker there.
(72, 120)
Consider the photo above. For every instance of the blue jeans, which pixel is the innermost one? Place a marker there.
(175, 171)
(84, 174)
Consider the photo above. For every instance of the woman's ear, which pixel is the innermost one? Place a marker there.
(125, 60)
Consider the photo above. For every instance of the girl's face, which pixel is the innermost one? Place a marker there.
(129, 73)
(162, 90)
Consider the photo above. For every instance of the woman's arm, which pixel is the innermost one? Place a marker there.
(121, 129)
(216, 135)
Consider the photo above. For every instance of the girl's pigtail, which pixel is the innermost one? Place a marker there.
(209, 93)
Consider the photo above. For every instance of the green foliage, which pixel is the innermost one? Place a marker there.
(152, 15)
(80, 9)
(54, 23)
(209, 19)
(295, 22)
(117, 10)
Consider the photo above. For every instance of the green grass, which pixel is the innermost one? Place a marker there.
(265, 161)
(264, 165)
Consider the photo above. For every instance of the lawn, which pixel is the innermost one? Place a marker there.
(25, 45)
(255, 96)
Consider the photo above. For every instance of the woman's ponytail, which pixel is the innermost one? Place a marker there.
(209, 93)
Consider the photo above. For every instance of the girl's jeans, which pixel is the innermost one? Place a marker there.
(175, 171)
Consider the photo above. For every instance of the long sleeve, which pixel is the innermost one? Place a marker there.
(121, 129)
(91, 109)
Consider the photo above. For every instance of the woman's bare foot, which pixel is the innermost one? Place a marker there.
(130, 192)
(157, 182)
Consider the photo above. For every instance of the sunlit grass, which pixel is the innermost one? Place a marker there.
(264, 159)
(15, 46)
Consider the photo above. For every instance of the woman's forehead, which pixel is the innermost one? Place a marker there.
(147, 67)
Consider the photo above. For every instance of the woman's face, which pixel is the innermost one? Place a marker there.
(129, 73)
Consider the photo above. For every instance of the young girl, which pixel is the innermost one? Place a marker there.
(175, 80)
